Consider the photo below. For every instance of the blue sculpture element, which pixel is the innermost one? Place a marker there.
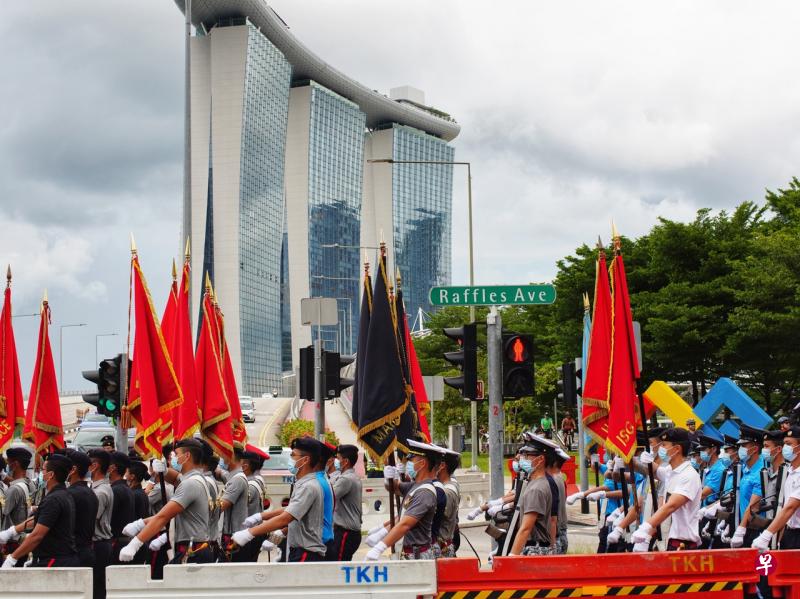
(726, 394)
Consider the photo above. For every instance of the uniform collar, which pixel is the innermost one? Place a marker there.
(682, 467)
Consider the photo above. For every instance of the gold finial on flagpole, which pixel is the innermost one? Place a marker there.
(44, 297)
(615, 236)
(174, 271)
(133, 245)
(187, 253)
(397, 277)
(586, 302)
(366, 263)
(208, 282)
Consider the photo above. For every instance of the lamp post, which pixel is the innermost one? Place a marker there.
(96, 339)
(473, 405)
(61, 353)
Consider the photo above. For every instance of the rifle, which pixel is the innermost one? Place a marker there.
(512, 526)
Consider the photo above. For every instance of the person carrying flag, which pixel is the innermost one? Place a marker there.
(347, 511)
(17, 501)
(788, 516)
(536, 503)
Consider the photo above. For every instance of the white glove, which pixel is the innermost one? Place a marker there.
(723, 536)
(401, 468)
(374, 554)
(474, 513)
(614, 516)
(494, 510)
(377, 537)
(709, 511)
(389, 472)
(242, 537)
(8, 534)
(127, 553)
(277, 536)
(643, 534)
(615, 535)
(644, 546)
(159, 466)
(571, 499)
(706, 533)
(498, 501)
(157, 543)
(268, 546)
(594, 458)
(375, 529)
(647, 458)
(9, 562)
(762, 541)
(619, 463)
(596, 496)
(134, 528)
(737, 540)
(253, 520)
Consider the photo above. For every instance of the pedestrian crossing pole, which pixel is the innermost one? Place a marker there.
(494, 347)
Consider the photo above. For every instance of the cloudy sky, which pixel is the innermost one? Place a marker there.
(572, 113)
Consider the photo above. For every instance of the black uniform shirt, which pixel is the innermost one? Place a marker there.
(86, 504)
(141, 504)
(123, 511)
(57, 512)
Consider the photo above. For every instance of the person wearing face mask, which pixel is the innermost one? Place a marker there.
(234, 505)
(327, 457)
(347, 517)
(123, 510)
(420, 506)
(190, 508)
(533, 537)
(252, 462)
(752, 461)
(101, 539)
(500, 501)
(16, 507)
(303, 516)
(682, 497)
(448, 539)
(86, 503)
(137, 472)
(694, 460)
(52, 541)
(714, 467)
(788, 517)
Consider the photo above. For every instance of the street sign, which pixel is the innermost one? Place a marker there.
(493, 295)
(318, 311)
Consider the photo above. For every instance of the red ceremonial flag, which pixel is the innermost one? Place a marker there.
(417, 383)
(185, 417)
(154, 390)
(168, 324)
(595, 387)
(624, 367)
(211, 394)
(11, 410)
(43, 425)
(237, 422)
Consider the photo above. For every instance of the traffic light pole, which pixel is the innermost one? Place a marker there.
(319, 423)
(121, 441)
(494, 347)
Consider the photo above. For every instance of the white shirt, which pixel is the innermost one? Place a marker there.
(791, 490)
(685, 481)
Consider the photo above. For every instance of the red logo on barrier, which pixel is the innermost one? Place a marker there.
(766, 563)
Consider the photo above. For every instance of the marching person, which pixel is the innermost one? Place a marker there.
(52, 540)
(554, 470)
(683, 497)
(449, 536)
(137, 473)
(190, 507)
(788, 517)
(214, 490)
(533, 536)
(123, 510)
(101, 540)
(252, 462)
(714, 467)
(419, 508)
(17, 499)
(749, 450)
(233, 504)
(347, 511)
(327, 453)
(86, 503)
(303, 515)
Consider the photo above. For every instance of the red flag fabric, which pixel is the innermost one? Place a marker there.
(624, 369)
(185, 417)
(595, 388)
(420, 394)
(11, 410)
(168, 323)
(154, 390)
(237, 421)
(211, 390)
(43, 425)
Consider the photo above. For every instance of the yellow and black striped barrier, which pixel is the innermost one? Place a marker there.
(596, 591)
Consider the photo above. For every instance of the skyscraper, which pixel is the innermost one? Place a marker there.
(280, 197)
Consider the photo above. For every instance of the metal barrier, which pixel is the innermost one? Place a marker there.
(354, 580)
(722, 574)
(67, 583)
(784, 577)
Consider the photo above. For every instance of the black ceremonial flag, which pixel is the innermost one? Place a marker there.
(382, 395)
(361, 349)
(409, 423)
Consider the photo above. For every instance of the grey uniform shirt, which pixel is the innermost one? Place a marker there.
(447, 528)
(105, 504)
(306, 506)
(235, 492)
(15, 509)
(536, 497)
(214, 492)
(255, 494)
(192, 495)
(562, 501)
(347, 491)
(154, 496)
(420, 503)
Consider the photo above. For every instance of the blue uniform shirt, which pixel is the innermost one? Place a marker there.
(327, 507)
(712, 480)
(750, 483)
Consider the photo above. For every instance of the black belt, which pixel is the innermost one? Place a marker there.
(343, 529)
(532, 544)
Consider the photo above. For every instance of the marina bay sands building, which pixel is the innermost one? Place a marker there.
(281, 198)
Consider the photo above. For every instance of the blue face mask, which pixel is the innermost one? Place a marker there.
(223, 465)
(410, 471)
(788, 453)
(725, 459)
(337, 465)
(175, 464)
(705, 456)
(525, 466)
(766, 454)
(694, 463)
(515, 466)
(662, 454)
(743, 454)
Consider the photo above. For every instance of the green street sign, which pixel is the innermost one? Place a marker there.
(493, 295)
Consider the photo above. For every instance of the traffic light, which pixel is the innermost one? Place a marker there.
(333, 383)
(518, 377)
(568, 390)
(306, 375)
(466, 358)
(109, 381)
(579, 377)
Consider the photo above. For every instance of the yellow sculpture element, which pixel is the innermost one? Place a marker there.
(669, 402)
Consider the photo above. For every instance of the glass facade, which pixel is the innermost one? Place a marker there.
(261, 212)
(335, 164)
(422, 196)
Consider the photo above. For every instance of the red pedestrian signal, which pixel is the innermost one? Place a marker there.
(518, 373)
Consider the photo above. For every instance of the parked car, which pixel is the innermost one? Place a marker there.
(89, 437)
(275, 472)
(94, 421)
(248, 408)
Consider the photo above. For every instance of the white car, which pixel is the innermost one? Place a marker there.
(248, 409)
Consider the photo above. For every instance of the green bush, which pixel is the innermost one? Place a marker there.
(292, 429)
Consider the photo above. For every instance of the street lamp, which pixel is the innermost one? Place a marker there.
(96, 339)
(25, 315)
(473, 405)
(349, 247)
(61, 353)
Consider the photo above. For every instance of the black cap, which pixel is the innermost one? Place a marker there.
(326, 451)
(189, 442)
(107, 440)
(783, 419)
(690, 421)
(655, 432)
(675, 435)
(729, 441)
(704, 441)
(774, 436)
(18, 453)
(793, 432)
(307, 444)
(642, 440)
(694, 448)
(749, 434)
